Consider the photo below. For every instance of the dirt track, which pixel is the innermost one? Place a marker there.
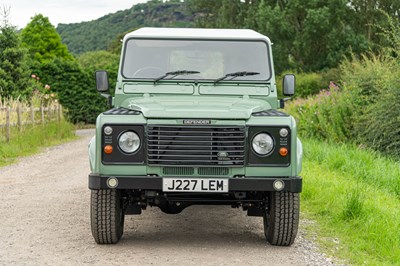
(44, 219)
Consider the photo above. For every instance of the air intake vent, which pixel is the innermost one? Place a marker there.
(213, 171)
(196, 145)
(178, 171)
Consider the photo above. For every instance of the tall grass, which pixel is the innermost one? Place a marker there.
(354, 194)
(33, 138)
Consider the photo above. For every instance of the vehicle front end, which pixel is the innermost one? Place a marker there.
(187, 135)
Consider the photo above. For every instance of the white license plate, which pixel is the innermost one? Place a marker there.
(195, 185)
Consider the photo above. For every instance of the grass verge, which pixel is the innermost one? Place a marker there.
(31, 139)
(354, 195)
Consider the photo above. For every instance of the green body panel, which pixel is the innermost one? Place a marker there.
(296, 150)
(127, 170)
(97, 166)
(195, 106)
(180, 122)
(141, 88)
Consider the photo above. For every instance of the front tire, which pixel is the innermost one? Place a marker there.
(281, 218)
(107, 216)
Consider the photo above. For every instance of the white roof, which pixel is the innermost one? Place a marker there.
(195, 33)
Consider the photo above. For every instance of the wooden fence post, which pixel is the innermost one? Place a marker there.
(32, 114)
(58, 113)
(47, 113)
(19, 118)
(42, 113)
(8, 124)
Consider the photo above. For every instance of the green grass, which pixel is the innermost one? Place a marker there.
(354, 195)
(31, 139)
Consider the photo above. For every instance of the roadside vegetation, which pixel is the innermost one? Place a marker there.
(29, 137)
(33, 138)
(351, 132)
(353, 195)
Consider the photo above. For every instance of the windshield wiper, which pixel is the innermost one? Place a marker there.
(235, 75)
(176, 73)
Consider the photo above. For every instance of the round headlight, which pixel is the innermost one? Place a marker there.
(129, 142)
(263, 144)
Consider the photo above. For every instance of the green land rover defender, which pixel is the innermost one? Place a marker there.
(194, 121)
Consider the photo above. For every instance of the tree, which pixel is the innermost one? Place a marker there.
(115, 45)
(52, 62)
(14, 72)
(42, 40)
(309, 35)
(370, 17)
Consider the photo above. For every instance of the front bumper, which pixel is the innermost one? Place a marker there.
(292, 184)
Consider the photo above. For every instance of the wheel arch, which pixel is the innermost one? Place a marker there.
(92, 153)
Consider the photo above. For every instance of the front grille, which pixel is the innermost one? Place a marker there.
(213, 171)
(178, 170)
(196, 145)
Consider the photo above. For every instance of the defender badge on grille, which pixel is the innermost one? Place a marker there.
(223, 156)
(196, 122)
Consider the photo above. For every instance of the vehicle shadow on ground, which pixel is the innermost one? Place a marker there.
(195, 226)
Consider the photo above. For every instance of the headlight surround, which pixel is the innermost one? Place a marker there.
(262, 144)
(129, 142)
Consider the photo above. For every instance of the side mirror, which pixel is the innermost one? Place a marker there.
(289, 84)
(102, 84)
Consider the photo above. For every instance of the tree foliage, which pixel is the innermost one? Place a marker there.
(52, 62)
(100, 60)
(75, 88)
(42, 40)
(308, 35)
(311, 35)
(14, 72)
(98, 34)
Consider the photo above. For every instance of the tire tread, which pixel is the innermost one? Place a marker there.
(281, 224)
(107, 227)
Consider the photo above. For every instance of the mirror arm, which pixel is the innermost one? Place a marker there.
(108, 97)
(282, 102)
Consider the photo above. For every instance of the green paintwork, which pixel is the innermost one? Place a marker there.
(169, 102)
(293, 170)
(226, 107)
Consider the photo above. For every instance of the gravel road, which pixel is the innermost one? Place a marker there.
(44, 220)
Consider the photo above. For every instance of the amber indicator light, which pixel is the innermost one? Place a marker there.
(108, 149)
(283, 152)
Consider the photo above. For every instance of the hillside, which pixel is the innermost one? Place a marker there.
(98, 34)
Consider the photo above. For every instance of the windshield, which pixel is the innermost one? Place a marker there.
(213, 59)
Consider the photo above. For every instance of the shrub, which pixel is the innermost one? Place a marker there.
(326, 115)
(365, 109)
(75, 89)
(308, 84)
(378, 127)
(374, 81)
(101, 60)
